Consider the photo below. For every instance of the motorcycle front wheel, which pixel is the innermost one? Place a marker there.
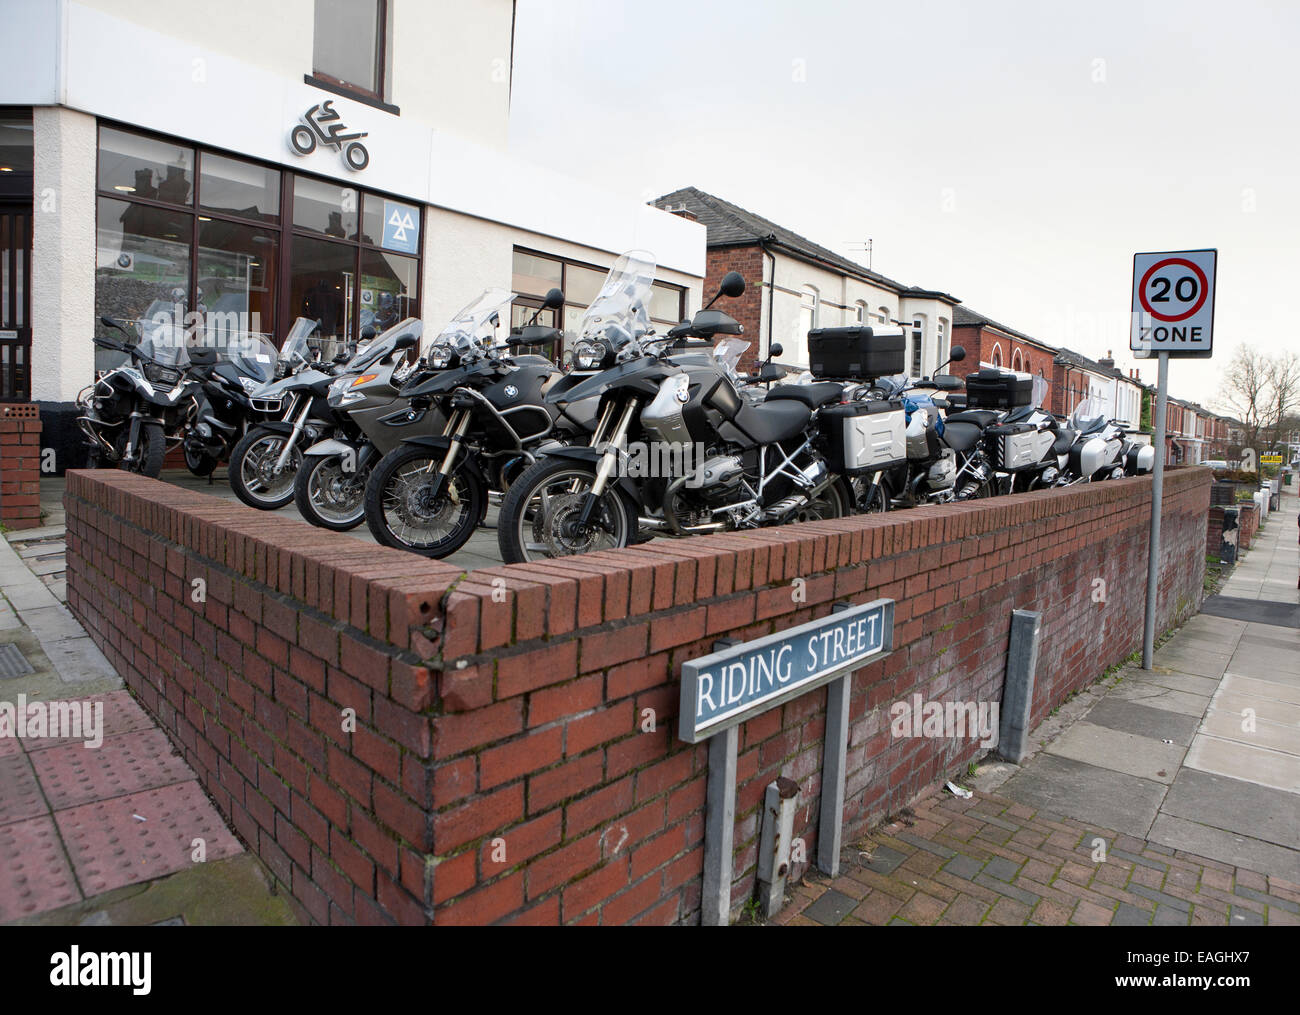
(149, 454)
(329, 497)
(252, 470)
(540, 508)
(402, 510)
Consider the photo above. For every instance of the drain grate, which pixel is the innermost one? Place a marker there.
(13, 663)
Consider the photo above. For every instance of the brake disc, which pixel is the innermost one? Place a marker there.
(552, 526)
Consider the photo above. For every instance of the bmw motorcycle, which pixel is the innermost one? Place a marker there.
(943, 456)
(227, 380)
(132, 412)
(370, 418)
(430, 493)
(714, 460)
(265, 461)
(1103, 449)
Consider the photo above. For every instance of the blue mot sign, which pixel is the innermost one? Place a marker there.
(744, 680)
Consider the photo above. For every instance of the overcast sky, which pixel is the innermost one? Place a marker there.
(1014, 154)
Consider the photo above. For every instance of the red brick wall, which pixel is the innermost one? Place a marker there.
(20, 465)
(750, 262)
(505, 766)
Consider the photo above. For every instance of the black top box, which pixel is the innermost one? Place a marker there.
(855, 352)
(997, 389)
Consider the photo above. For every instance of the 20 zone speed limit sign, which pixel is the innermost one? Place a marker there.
(1173, 303)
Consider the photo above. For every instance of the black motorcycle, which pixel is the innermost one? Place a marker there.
(430, 493)
(133, 411)
(678, 448)
(227, 379)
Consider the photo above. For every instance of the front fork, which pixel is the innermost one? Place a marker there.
(608, 463)
(456, 428)
(298, 425)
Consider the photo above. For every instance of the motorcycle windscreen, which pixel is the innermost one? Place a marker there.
(620, 312)
(383, 344)
(253, 356)
(296, 349)
(474, 328)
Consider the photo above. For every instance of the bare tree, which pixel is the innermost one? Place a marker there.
(1283, 377)
(1245, 391)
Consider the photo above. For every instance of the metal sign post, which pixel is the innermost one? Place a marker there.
(741, 680)
(1173, 315)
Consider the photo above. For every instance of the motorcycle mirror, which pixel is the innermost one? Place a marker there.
(733, 285)
(776, 349)
(554, 300)
(368, 332)
(956, 354)
(108, 322)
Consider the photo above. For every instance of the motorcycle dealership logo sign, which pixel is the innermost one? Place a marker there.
(322, 124)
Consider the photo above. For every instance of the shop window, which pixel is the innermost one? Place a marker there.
(237, 188)
(142, 168)
(231, 256)
(238, 269)
(348, 46)
(323, 207)
(390, 288)
(142, 266)
(321, 287)
(534, 274)
(15, 144)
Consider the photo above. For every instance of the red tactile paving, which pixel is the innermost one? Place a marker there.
(129, 763)
(20, 795)
(121, 714)
(34, 872)
(9, 745)
(111, 848)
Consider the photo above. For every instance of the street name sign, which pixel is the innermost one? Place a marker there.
(1173, 304)
(744, 680)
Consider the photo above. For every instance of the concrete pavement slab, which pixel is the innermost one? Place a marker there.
(1276, 689)
(1226, 846)
(1247, 762)
(1195, 661)
(1118, 751)
(1158, 696)
(1175, 681)
(1131, 717)
(1229, 699)
(1234, 806)
(1228, 726)
(1088, 793)
(234, 892)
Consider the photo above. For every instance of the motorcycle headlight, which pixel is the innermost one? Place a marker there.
(341, 393)
(440, 357)
(249, 385)
(588, 355)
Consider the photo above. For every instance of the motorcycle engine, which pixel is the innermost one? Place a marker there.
(943, 473)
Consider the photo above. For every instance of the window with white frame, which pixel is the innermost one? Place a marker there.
(918, 339)
(809, 311)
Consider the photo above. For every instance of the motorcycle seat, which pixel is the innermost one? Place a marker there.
(979, 417)
(1064, 440)
(770, 422)
(812, 395)
(960, 435)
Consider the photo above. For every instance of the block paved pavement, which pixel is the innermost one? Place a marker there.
(102, 826)
(990, 860)
(1169, 796)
